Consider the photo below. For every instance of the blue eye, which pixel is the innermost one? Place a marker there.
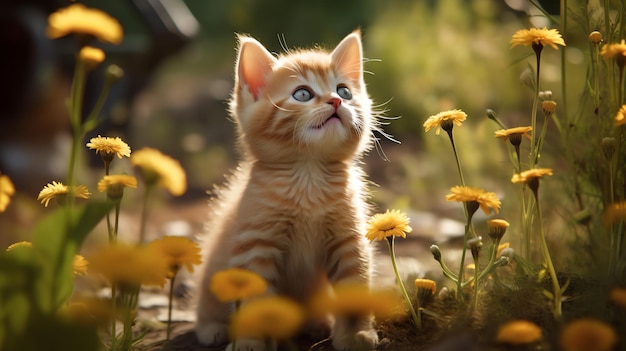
(344, 92)
(302, 94)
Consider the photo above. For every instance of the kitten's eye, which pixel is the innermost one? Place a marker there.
(344, 92)
(302, 94)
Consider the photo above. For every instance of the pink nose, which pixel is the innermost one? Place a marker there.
(336, 102)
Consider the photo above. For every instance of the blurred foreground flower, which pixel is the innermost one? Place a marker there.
(586, 334)
(614, 50)
(614, 213)
(272, 317)
(7, 189)
(81, 20)
(358, 300)
(60, 191)
(536, 36)
(390, 223)
(486, 200)
(445, 120)
(129, 265)
(88, 311)
(518, 332)
(161, 169)
(236, 284)
(114, 184)
(178, 251)
(91, 57)
(79, 264)
(618, 296)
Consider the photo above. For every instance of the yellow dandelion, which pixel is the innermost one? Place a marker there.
(20, 244)
(497, 228)
(78, 19)
(513, 133)
(358, 300)
(455, 117)
(426, 284)
(7, 189)
(236, 284)
(530, 174)
(60, 190)
(159, 168)
(91, 56)
(79, 265)
(518, 332)
(129, 265)
(620, 117)
(88, 310)
(114, 184)
(267, 317)
(108, 147)
(614, 213)
(586, 334)
(536, 36)
(390, 223)
(486, 200)
(614, 50)
(178, 251)
(618, 296)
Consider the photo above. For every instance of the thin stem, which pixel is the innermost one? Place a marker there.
(459, 284)
(533, 149)
(563, 11)
(556, 289)
(144, 214)
(169, 309)
(476, 271)
(113, 318)
(456, 158)
(416, 317)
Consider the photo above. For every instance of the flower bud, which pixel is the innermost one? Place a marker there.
(595, 37)
(608, 147)
(548, 107)
(475, 244)
(497, 228)
(434, 249)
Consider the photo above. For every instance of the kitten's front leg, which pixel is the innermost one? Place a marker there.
(349, 262)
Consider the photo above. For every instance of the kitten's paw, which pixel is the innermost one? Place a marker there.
(364, 340)
(248, 345)
(212, 333)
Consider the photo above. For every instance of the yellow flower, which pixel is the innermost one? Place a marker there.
(178, 251)
(358, 300)
(620, 117)
(20, 244)
(456, 117)
(79, 265)
(586, 334)
(236, 284)
(618, 296)
(614, 213)
(267, 317)
(536, 36)
(108, 147)
(534, 173)
(486, 200)
(157, 167)
(58, 189)
(129, 265)
(426, 284)
(497, 228)
(79, 19)
(510, 133)
(518, 332)
(615, 50)
(7, 189)
(91, 311)
(91, 56)
(390, 223)
(114, 184)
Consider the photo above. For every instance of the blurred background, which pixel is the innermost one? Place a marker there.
(424, 57)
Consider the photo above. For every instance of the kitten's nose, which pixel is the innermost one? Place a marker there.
(335, 101)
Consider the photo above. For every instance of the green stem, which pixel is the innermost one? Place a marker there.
(563, 11)
(416, 317)
(456, 158)
(144, 213)
(117, 220)
(533, 148)
(459, 283)
(556, 289)
(476, 271)
(114, 317)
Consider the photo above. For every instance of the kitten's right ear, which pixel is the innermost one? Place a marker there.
(254, 63)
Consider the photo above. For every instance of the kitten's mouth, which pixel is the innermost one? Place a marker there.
(329, 119)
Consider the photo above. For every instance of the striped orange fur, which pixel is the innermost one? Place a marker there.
(295, 209)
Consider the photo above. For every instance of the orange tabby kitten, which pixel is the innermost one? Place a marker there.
(294, 211)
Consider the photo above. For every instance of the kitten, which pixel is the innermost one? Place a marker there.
(294, 211)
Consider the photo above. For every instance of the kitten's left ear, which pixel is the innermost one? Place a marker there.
(348, 56)
(254, 63)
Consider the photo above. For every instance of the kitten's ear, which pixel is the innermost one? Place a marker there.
(348, 56)
(254, 63)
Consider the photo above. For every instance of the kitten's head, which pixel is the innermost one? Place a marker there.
(305, 104)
